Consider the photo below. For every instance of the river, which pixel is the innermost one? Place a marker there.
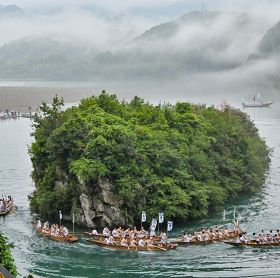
(44, 258)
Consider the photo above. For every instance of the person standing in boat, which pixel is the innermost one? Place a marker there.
(39, 224)
(163, 238)
(65, 232)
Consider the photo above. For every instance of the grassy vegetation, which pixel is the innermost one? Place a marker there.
(6, 258)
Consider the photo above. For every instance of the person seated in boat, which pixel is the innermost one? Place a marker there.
(52, 229)
(2, 205)
(133, 243)
(243, 238)
(256, 238)
(94, 232)
(150, 242)
(124, 242)
(141, 242)
(115, 232)
(106, 232)
(65, 232)
(226, 232)
(46, 226)
(204, 236)
(106, 240)
(188, 238)
(111, 240)
(185, 237)
(39, 224)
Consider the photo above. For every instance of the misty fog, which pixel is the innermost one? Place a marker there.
(202, 56)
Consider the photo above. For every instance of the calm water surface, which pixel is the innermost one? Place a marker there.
(45, 258)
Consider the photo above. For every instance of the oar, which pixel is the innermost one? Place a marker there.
(161, 248)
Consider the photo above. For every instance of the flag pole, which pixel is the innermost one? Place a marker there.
(73, 222)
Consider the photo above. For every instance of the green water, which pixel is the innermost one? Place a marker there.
(45, 258)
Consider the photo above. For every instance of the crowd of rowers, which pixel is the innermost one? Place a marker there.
(53, 230)
(262, 238)
(207, 234)
(5, 202)
(131, 237)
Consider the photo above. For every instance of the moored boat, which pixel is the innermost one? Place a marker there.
(100, 243)
(258, 103)
(70, 238)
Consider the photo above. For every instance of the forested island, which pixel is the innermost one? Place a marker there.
(107, 160)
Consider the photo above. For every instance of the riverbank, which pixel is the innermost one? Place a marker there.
(20, 98)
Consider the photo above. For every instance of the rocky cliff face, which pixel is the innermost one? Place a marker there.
(98, 206)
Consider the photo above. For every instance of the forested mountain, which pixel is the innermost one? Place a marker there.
(196, 42)
(270, 44)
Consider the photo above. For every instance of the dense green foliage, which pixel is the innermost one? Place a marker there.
(6, 258)
(182, 159)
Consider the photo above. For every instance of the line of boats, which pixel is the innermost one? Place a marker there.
(153, 243)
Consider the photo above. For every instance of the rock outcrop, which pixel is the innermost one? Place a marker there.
(99, 206)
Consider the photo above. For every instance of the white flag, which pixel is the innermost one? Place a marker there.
(143, 217)
(234, 213)
(169, 226)
(160, 217)
(73, 219)
(60, 215)
(224, 215)
(154, 224)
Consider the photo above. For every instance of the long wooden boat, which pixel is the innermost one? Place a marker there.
(181, 242)
(8, 209)
(133, 248)
(102, 237)
(252, 244)
(70, 238)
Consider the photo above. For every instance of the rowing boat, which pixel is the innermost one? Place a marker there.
(102, 237)
(252, 244)
(70, 238)
(8, 209)
(132, 248)
(181, 242)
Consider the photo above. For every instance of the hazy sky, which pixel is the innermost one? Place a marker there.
(151, 9)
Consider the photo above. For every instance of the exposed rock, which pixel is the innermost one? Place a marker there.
(98, 205)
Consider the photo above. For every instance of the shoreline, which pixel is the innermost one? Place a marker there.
(20, 98)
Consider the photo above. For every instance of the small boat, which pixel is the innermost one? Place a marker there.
(8, 209)
(258, 103)
(100, 243)
(252, 243)
(181, 242)
(70, 238)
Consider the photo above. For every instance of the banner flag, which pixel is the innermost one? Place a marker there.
(60, 215)
(73, 219)
(160, 217)
(143, 217)
(224, 215)
(154, 224)
(169, 226)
